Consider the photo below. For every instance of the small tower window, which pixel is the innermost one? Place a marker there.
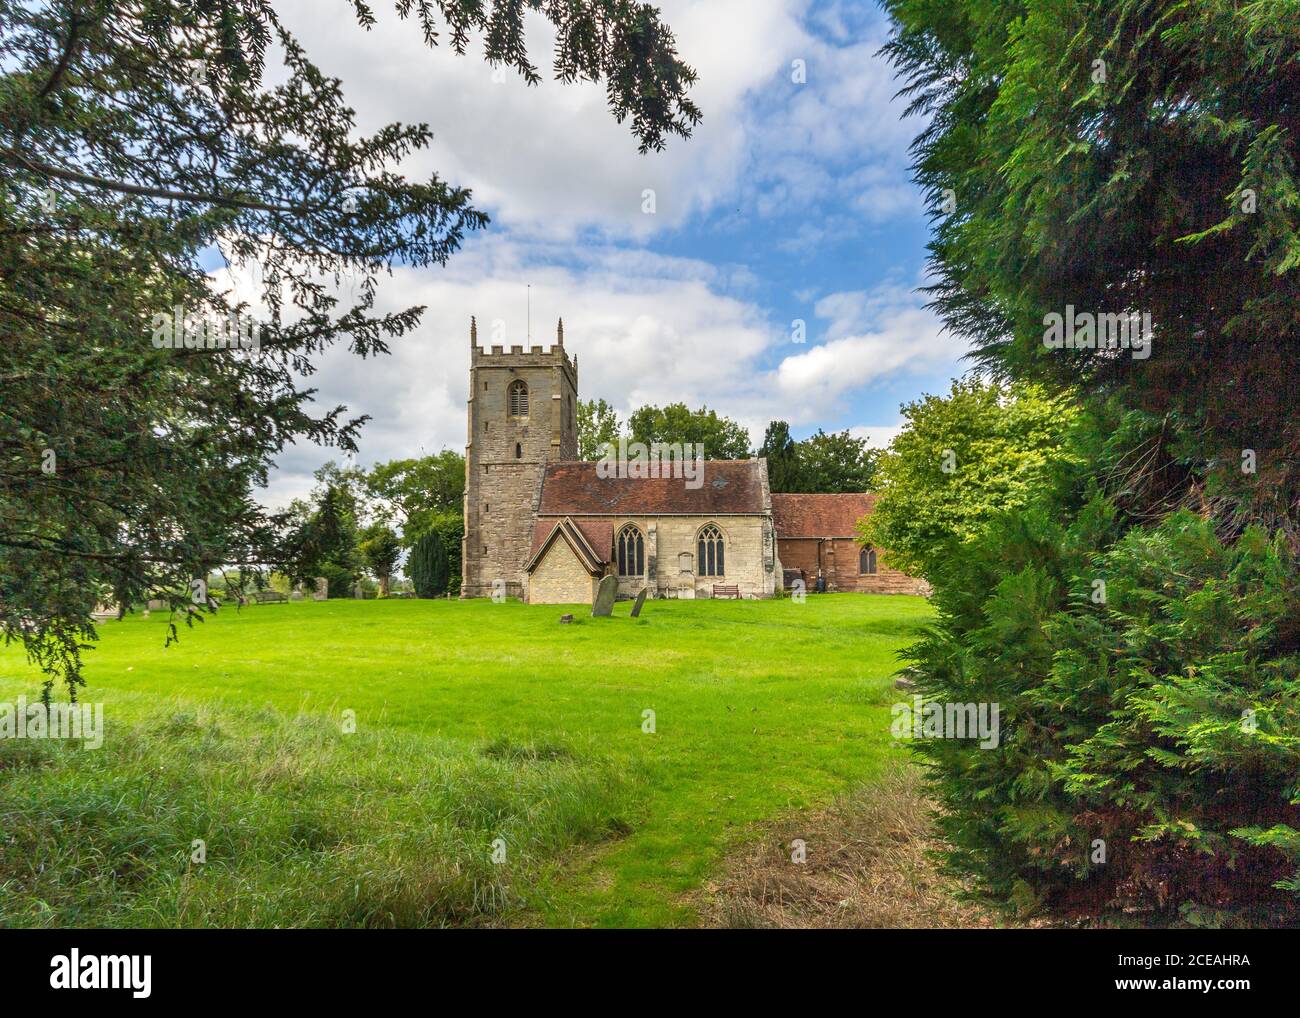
(518, 398)
(519, 451)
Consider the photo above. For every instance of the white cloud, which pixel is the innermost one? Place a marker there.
(551, 160)
(838, 138)
(645, 329)
(874, 335)
(877, 435)
(564, 182)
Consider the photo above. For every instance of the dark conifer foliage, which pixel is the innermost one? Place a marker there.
(428, 566)
(1138, 624)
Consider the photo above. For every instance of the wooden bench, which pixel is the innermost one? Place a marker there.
(726, 590)
(269, 596)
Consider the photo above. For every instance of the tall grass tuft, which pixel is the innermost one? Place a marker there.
(302, 825)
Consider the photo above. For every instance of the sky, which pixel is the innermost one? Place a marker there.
(791, 201)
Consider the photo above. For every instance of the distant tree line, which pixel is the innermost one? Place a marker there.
(357, 524)
(823, 462)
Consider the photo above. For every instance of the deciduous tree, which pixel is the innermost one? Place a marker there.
(597, 425)
(380, 549)
(719, 437)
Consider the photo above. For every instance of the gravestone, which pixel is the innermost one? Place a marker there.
(566, 618)
(322, 589)
(157, 604)
(605, 595)
(640, 600)
(296, 595)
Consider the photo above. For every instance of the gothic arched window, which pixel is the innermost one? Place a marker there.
(631, 552)
(867, 561)
(710, 548)
(518, 398)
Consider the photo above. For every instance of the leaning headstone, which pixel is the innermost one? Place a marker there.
(605, 595)
(640, 600)
(566, 618)
(322, 589)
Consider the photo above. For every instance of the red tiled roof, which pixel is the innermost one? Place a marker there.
(599, 534)
(574, 489)
(820, 515)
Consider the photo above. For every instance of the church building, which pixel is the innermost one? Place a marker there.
(544, 526)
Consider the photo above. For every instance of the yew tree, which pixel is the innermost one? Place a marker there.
(1135, 610)
(136, 138)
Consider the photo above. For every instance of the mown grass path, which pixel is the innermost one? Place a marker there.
(760, 708)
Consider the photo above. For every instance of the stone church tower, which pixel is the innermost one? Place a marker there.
(523, 414)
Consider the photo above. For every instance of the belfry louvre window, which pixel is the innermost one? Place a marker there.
(518, 399)
(710, 548)
(867, 561)
(631, 552)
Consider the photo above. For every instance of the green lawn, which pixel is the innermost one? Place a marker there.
(473, 721)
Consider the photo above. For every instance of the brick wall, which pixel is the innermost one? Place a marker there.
(839, 563)
(801, 553)
(844, 563)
